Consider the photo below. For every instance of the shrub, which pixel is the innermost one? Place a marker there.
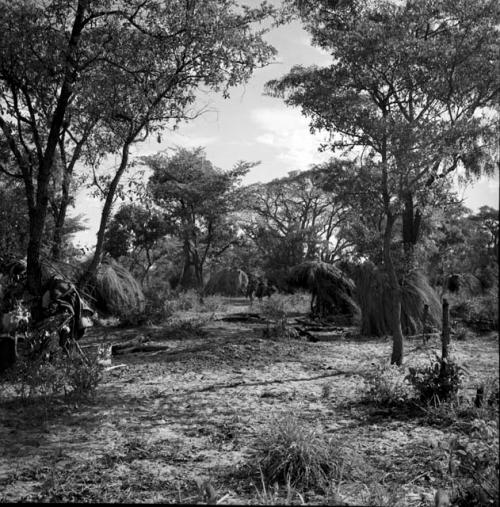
(274, 310)
(474, 465)
(37, 377)
(479, 313)
(83, 377)
(435, 384)
(387, 385)
(292, 453)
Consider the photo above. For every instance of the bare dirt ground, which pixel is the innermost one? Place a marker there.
(168, 419)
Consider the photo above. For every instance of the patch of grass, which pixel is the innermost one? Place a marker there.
(38, 379)
(387, 386)
(291, 453)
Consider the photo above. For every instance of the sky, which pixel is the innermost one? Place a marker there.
(253, 127)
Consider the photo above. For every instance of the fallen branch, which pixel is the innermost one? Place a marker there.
(142, 347)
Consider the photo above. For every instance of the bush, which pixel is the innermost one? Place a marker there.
(69, 375)
(387, 385)
(274, 310)
(480, 313)
(474, 465)
(435, 384)
(291, 453)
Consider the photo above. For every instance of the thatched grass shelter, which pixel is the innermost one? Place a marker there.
(116, 289)
(373, 296)
(332, 291)
(227, 282)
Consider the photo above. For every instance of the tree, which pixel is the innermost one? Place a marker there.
(412, 84)
(293, 219)
(92, 77)
(196, 199)
(135, 232)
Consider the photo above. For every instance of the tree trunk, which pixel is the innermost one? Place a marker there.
(192, 270)
(37, 219)
(106, 212)
(61, 218)
(395, 296)
(445, 336)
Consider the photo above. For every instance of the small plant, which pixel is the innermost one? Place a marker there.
(387, 385)
(295, 454)
(474, 465)
(83, 377)
(39, 377)
(275, 311)
(326, 390)
(438, 381)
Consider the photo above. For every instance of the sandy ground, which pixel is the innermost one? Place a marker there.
(168, 419)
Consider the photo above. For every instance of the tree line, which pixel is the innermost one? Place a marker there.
(410, 100)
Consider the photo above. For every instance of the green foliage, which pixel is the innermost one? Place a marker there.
(387, 385)
(294, 453)
(474, 465)
(198, 199)
(134, 227)
(438, 381)
(480, 313)
(293, 219)
(95, 83)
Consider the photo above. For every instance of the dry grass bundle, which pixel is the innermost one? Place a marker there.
(372, 292)
(116, 288)
(331, 289)
(228, 282)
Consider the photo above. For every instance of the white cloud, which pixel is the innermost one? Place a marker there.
(287, 132)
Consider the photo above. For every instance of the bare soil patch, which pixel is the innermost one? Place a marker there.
(172, 418)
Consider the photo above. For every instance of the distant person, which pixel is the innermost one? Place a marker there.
(251, 287)
(260, 290)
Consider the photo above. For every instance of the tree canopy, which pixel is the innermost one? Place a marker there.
(412, 87)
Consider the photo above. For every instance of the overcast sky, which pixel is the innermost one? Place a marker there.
(253, 127)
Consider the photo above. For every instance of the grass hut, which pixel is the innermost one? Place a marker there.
(332, 291)
(116, 290)
(227, 282)
(373, 296)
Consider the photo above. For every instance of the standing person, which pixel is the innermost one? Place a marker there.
(252, 284)
(261, 288)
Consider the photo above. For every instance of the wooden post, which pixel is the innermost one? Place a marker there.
(425, 329)
(445, 335)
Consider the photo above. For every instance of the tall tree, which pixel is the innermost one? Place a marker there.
(197, 199)
(136, 232)
(293, 219)
(414, 85)
(101, 74)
